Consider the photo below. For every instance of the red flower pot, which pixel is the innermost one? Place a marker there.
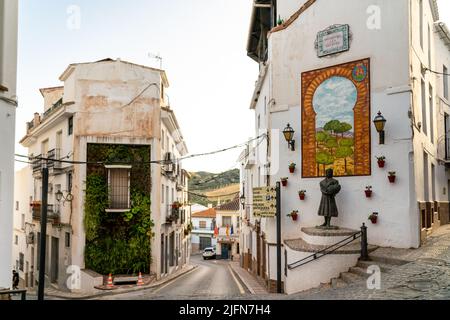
(368, 193)
(294, 217)
(392, 179)
(302, 196)
(284, 183)
(381, 163)
(374, 220)
(291, 169)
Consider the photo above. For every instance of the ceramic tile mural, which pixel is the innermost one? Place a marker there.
(336, 120)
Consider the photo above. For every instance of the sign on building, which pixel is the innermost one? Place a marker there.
(333, 40)
(265, 202)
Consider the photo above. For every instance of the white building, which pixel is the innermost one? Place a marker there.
(113, 113)
(366, 57)
(228, 224)
(8, 104)
(203, 227)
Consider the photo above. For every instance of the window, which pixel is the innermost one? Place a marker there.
(429, 47)
(70, 126)
(21, 258)
(424, 109)
(163, 140)
(17, 205)
(67, 240)
(433, 182)
(226, 221)
(22, 222)
(119, 187)
(202, 224)
(16, 240)
(162, 194)
(421, 22)
(69, 181)
(167, 195)
(445, 77)
(431, 102)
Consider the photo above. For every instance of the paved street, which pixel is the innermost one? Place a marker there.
(212, 279)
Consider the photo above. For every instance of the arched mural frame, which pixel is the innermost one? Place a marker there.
(311, 80)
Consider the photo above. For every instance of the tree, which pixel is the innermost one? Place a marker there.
(343, 152)
(347, 143)
(322, 137)
(343, 128)
(331, 143)
(332, 126)
(325, 159)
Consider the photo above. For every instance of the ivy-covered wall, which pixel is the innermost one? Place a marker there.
(118, 243)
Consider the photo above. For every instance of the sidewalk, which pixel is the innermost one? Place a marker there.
(53, 293)
(249, 280)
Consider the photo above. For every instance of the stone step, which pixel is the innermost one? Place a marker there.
(383, 267)
(337, 283)
(362, 272)
(349, 277)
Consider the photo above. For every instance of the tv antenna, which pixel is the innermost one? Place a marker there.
(157, 57)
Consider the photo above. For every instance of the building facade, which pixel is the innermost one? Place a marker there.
(203, 227)
(111, 144)
(327, 71)
(228, 227)
(8, 104)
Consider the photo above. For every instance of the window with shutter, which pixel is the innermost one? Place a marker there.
(119, 187)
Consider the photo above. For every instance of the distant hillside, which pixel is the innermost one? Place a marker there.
(213, 185)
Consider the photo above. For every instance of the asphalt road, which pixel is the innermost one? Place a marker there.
(212, 279)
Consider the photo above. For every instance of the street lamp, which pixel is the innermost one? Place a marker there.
(242, 199)
(60, 196)
(289, 136)
(380, 123)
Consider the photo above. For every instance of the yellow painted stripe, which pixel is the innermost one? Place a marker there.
(241, 289)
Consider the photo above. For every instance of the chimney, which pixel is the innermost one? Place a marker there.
(36, 120)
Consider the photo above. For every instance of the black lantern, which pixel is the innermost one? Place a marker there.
(380, 123)
(289, 136)
(242, 199)
(59, 195)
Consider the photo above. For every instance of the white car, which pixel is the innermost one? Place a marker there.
(209, 253)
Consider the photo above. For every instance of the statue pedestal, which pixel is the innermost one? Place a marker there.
(327, 267)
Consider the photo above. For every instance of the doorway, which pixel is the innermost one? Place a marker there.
(55, 260)
(226, 249)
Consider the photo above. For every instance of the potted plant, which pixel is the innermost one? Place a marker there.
(381, 161)
(374, 217)
(391, 177)
(293, 215)
(292, 167)
(176, 205)
(368, 191)
(284, 181)
(302, 194)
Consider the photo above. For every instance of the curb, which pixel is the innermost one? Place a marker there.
(247, 286)
(115, 292)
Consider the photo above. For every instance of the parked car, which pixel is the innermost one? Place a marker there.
(209, 253)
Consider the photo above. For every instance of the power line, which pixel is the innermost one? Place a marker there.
(141, 162)
(436, 72)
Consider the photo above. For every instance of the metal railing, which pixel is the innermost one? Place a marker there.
(333, 248)
(53, 155)
(36, 164)
(23, 293)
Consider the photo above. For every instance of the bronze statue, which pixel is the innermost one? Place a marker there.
(330, 187)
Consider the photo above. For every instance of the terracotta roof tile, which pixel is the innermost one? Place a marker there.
(230, 206)
(210, 213)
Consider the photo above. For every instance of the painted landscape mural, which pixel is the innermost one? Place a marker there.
(336, 120)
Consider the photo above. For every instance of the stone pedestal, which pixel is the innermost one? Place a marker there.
(323, 269)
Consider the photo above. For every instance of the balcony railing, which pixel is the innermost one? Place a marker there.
(52, 109)
(37, 164)
(54, 155)
(52, 216)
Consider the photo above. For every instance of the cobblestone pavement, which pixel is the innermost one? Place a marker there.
(425, 277)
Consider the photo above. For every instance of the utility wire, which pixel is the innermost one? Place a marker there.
(436, 72)
(141, 162)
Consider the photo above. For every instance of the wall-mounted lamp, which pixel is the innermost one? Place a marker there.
(242, 200)
(60, 196)
(380, 123)
(289, 136)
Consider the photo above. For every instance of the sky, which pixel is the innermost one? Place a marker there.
(202, 43)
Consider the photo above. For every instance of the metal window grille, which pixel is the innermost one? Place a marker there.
(119, 186)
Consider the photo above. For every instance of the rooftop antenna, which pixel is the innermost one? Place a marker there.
(157, 57)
